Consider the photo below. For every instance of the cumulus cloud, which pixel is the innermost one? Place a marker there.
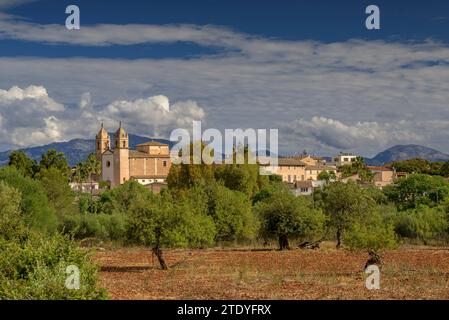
(153, 115)
(335, 135)
(29, 116)
(356, 94)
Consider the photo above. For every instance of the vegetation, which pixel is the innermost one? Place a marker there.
(357, 167)
(42, 219)
(283, 215)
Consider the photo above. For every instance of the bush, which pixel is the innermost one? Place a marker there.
(372, 233)
(34, 204)
(282, 215)
(423, 223)
(101, 226)
(232, 214)
(36, 269)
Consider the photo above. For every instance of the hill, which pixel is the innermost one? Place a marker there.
(75, 150)
(404, 152)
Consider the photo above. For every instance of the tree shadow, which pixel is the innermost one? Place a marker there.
(126, 268)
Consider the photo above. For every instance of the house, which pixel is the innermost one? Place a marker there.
(293, 169)
(343, 159)
(303, 188)
(383, 176)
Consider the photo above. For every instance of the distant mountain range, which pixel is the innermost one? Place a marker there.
(404, 152)
(77, 150)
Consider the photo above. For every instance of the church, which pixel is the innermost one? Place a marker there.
(148, 164)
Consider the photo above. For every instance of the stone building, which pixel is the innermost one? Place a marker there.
(148, 163)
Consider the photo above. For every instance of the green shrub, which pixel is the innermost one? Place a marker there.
(423, 223)
(34, 204)
(100, 226)
(372, 233)
(36, 269)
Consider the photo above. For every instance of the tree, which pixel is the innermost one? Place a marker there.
(415, 165)
(120, 199)
(58, 191)
(37, 212)
(159, 221)
(327, 175)
(11, 224)
(357, 167)
(55, 159)
(26, 166)
(282, 215)
(232, 213)
(418, 189)
(373, 234)
(444, 170)
(183, 176)
(243, 177)
(344, 203)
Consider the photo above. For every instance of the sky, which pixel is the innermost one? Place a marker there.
(310, 69)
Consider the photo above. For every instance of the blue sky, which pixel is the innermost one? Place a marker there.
(309, 68)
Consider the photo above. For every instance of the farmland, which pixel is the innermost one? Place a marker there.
(411, 272)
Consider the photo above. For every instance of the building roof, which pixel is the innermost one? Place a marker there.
(290, 162)
(140, 154)
(320, 167)
(102, 134)
(149, 176)
(304, 184)
(379, 168)
(152, 143)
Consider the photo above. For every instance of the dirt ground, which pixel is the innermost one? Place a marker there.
(408, 273)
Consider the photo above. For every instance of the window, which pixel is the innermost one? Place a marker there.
(294, 177)
(164, 163)
(108, 164)
(289, 178)
(124, 144)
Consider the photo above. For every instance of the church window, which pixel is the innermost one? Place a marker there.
(164, 163)
(108, 164)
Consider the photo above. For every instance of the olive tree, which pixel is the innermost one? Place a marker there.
(282, 215)
(344, 203)
(159, 221)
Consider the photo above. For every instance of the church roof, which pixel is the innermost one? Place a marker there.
(152, 143)
(121, 133)
(102, 134)
(140, 154)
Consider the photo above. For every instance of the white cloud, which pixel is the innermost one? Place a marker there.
(152, 116)
(13, 3)
(320, 133)
(30, 117)
(352, 94)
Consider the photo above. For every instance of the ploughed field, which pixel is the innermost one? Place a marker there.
(326, 273)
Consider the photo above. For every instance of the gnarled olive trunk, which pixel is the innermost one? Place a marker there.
(339, 233)
(158, 253)
(283, 242)
(375, 258)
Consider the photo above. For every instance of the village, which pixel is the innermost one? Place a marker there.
(149, 164)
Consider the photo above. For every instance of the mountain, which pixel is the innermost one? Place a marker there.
(404, 152)
(75, 150)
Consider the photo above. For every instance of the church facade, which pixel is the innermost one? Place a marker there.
(149, 163)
